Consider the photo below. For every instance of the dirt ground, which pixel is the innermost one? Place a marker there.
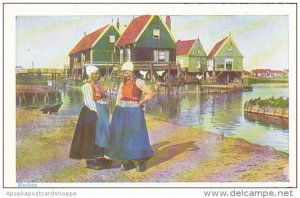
(181, 154)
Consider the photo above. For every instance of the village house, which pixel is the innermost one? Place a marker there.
(267, 73)
(277, 73)
(225, 61)
(96, 48)
(148, 42)
(261, 72)
(192, 58)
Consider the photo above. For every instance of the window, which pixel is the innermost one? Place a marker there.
(198, 64)
(229, 47)
(128, 55)
(161, 55)
(228, 63)
(121, 55)
(112, 38)
(156, 33)
(220, 66)
(181, 63)
(210, 65)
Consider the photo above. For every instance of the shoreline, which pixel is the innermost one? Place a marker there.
(180, 154)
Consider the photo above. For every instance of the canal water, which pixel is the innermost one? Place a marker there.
(216, 113)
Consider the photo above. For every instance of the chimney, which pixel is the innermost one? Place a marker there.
(168, 21)
(118, 24)
(84, 33)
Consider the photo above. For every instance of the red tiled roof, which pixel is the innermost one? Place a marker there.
(87, 41)
(133, 30)
(216, 47)
(276, 71)
(261, 70)
(183, 47)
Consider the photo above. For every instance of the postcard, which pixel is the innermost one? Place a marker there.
(150, 95)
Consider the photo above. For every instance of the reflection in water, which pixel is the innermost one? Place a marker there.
(221, 112)
(217, 113)
(267, 120)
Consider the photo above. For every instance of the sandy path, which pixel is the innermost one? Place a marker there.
(181, 154)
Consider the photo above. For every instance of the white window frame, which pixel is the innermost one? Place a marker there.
(157, 53)
(112, 38)
(228, 60)
(121, 55)
(198, 64)
(210, 64)
(156, 33)
(181, 62)
(128, 54)
(161, 55)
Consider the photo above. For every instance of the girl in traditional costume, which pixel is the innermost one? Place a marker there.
(92, 128)
(128, 139)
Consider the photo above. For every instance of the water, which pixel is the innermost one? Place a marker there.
(217, 113)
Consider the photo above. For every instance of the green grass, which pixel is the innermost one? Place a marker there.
(32, 151)
(271, 102)
(255, 80)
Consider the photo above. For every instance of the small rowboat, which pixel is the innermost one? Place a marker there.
(51, 108)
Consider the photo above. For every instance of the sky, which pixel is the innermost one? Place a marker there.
(45, 41)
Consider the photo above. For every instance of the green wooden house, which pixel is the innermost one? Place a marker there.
(148, 42)
(146, 38)
(225, 61)
(191, 57)
(96, 48)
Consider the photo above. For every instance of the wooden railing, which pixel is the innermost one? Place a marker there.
(42, 71)
(138, 64)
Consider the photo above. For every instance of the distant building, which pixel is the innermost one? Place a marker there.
(277, 73)
(96, 48)
(191, 56)
(267, 73)
(261, 72)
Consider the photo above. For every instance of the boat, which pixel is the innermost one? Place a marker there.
(53, 108)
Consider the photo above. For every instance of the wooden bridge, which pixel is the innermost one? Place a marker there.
(40, 76)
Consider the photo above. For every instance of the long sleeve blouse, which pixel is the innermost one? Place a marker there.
(88, 97)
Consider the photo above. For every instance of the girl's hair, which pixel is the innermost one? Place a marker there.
(133, 75)
(92, 77)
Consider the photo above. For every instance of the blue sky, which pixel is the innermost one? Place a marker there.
(47, 40)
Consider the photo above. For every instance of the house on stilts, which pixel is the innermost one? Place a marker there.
(148, 42)
(192, 59)
(225, 62)
(96, 48)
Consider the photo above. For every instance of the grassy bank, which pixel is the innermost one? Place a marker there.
(181, 154)
(256, 80)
